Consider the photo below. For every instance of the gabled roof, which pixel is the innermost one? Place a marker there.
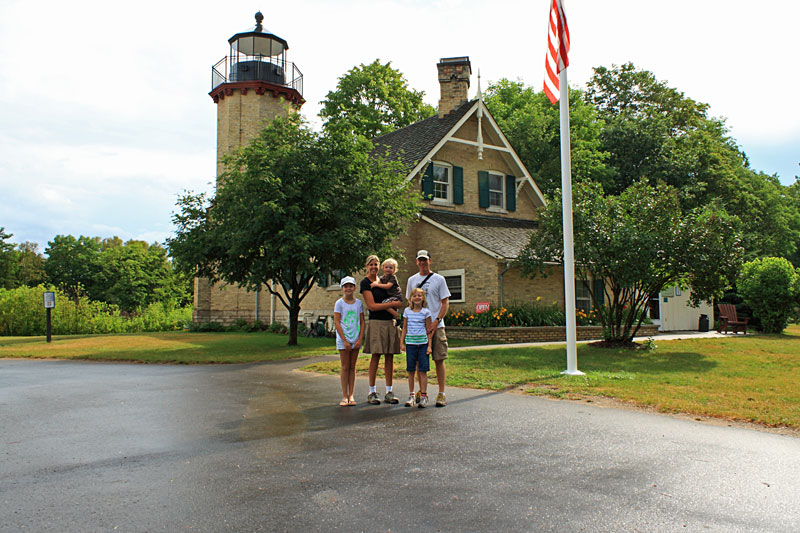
(415, 145)
(412, 143)
(502, 238)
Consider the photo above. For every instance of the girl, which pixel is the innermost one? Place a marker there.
(348, 317)
(416, 336)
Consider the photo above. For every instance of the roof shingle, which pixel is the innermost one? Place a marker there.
(504, 236)
(410, 144)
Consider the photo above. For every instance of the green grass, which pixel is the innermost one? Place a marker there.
(752, 379)
(167, 347)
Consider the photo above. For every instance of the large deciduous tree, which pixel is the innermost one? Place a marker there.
(637, 243)
(531, 124)
(294, 206)
(655, 132)
(73, 264)
(372, 100)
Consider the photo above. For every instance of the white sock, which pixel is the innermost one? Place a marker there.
(371, 389)
(388, 388)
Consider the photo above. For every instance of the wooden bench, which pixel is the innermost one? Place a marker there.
(729, 320)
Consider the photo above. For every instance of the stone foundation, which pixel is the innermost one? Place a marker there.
(540, 334)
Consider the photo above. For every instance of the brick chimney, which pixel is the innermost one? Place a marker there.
(454, 75)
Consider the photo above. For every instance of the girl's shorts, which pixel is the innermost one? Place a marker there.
(417, 359)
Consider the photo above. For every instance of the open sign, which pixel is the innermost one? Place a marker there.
(482, 307)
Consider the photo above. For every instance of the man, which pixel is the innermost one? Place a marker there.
(437, 296)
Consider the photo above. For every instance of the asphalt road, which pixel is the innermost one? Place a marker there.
(122, 447)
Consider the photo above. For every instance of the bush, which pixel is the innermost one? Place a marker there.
(22, 313)
(277, 327)
(770, 286)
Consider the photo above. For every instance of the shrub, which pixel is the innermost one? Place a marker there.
(277, 327)
(22, 313)
(770, 286)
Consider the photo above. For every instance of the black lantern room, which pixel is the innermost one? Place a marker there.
(259, 56)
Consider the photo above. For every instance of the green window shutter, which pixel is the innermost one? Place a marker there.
(483, 188)
(427, 183)
(458, 185)
(599, 293)
(511, 193)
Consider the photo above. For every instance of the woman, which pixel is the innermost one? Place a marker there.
(381, 337)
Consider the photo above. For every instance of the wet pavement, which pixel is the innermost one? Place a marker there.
(127, 447)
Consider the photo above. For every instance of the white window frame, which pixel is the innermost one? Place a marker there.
(502, 207)
(449, 199)
(458, 272)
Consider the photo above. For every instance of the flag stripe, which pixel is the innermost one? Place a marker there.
(557, 50)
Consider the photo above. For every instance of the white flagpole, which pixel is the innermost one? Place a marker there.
(566, 210)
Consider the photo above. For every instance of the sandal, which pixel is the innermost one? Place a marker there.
(344, 403)
(351, 401)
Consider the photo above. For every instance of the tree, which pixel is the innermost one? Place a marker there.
(372, 100)
(294, 206)
(655, 132)
(30, 264)
(73, 264)
(770, 286)
(8, 261)
(531, 124)
(135, 274)
(637, 243)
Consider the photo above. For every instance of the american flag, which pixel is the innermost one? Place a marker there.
(557, 49)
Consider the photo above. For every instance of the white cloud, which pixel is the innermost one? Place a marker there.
(106, 116)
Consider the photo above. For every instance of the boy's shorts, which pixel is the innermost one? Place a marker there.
(417, 359)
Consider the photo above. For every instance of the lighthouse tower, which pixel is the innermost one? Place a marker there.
(251, 86)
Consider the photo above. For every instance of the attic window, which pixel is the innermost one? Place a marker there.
(442, 182)
(497, 192)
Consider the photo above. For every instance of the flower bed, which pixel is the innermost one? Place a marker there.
(536, 334)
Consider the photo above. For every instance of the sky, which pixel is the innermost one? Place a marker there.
(105, 117)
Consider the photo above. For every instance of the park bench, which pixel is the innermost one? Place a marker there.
(729, 320)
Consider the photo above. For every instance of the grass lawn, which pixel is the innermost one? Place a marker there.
(167, 347)
(752, 379)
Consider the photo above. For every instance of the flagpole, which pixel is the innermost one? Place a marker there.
(566, 211)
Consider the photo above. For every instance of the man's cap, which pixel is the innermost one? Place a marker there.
(425, 254)
(347, 279)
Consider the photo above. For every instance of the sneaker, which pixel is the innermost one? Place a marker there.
(441, 401)
(411, 401)
(373, 398)
(390, 398)
(417, 396)
(423, 401)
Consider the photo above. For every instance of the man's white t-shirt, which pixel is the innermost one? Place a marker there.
(435, 291)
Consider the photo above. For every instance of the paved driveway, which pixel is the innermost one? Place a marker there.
(121, 447)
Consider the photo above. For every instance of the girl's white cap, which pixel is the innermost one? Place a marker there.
(346, 280)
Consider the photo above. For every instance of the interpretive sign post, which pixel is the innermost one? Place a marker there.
(49, 304)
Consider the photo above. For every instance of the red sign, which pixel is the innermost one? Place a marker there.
(482, 307)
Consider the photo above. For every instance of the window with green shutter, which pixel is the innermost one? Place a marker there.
(483, 188)
(427, 183)
(458, 185)
(511, 193)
